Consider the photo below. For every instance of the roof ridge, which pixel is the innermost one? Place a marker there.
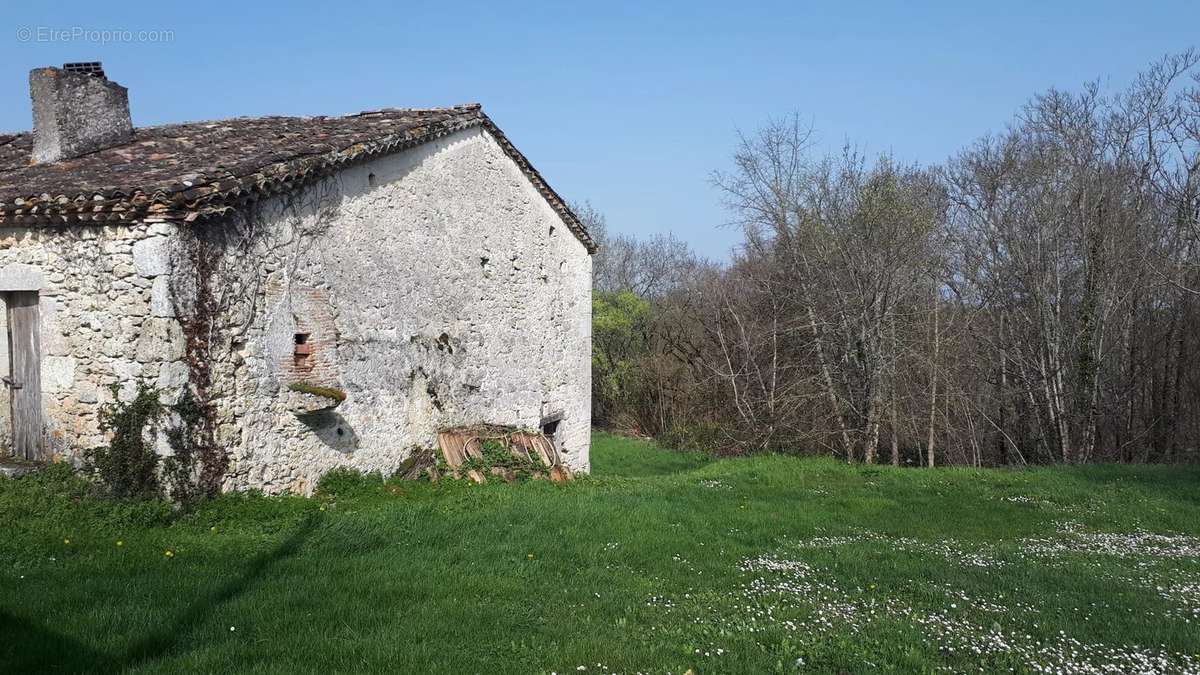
(9, 136)
(377, 111)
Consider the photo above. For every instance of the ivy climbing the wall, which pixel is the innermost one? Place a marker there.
(127, 466)
(187, 439)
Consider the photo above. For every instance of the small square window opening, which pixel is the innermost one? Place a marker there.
(303, 352)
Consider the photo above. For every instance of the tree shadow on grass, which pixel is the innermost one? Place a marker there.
(167, 641)
(1176, 480)
(26, 647)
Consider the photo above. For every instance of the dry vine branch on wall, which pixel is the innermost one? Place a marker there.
(216, 289)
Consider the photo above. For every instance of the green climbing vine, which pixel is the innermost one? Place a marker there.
(128, 465)
(188, 440)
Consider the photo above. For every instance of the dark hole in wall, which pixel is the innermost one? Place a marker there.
(550, 425)
(550, 430)
(303, 351)
(371, 180)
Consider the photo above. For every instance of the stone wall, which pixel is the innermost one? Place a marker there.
(435, 287)
(106, 319)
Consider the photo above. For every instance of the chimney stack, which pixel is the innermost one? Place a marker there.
(76, 110)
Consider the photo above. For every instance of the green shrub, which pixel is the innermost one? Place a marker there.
(497, 454)
(128, 465)
(693, 437)
(187, 441)
(342, 482)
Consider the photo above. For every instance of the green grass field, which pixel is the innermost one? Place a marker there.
(659, 562)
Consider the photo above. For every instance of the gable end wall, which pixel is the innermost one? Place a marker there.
(445, 291)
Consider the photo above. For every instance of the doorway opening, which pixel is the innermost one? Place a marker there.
(22, 428)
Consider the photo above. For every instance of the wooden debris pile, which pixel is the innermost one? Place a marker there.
(499, 451)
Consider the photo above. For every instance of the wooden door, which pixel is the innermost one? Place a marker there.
(25, 375)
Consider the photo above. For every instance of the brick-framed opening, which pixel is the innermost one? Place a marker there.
(305, 340)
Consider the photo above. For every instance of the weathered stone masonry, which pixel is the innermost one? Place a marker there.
(412, 259)
(106, 319)
(428, 307)
(447, 294)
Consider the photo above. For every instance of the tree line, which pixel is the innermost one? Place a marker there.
(1034, 299)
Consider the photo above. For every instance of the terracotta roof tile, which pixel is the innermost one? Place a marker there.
(199, 169)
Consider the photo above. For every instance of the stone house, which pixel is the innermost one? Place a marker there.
(412, 259)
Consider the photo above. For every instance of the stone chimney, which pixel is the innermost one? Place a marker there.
(76, 110)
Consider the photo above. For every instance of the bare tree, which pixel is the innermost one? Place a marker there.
(1036, 299)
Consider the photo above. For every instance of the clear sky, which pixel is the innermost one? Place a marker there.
(628, 105)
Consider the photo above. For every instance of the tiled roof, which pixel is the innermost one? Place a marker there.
(182, 172)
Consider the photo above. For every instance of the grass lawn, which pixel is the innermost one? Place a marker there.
(660, 562)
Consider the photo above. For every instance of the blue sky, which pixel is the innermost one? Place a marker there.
(628, 105)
